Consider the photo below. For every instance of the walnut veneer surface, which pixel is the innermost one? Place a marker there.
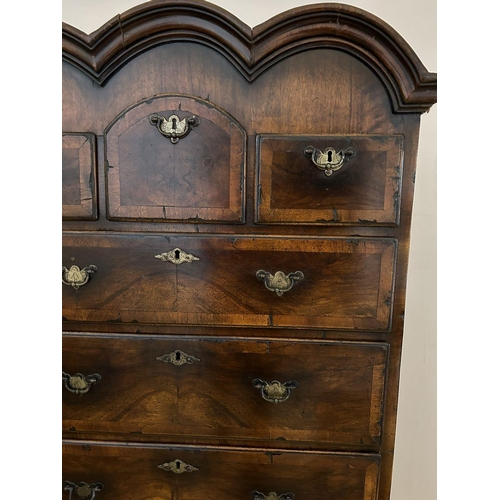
(233, 296)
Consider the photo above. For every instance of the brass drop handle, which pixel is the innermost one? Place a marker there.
(173, 127)
(76, 277)
(279, 282)
(78, 383)
(330, 160)
(275, 392)
(257, 495)
(177, 467)
(83, 491)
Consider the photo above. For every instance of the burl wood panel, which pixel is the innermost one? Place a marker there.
(338, 400)
(365, 190)
(131, 472)
(348, 283)
(199, 179)
(79, 189)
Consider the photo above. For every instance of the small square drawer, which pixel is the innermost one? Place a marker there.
(133, 472)
(329, 180)
(79, 189)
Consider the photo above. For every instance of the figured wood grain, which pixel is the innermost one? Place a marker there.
(131, 471)
(199, 179)
(348, 283)
(365, 190)
(321, 70)
(338, 401)
(79, 188)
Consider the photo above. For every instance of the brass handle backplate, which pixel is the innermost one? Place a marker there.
(257, 495)
(178, 358)
(83, 491)
(177, 467)
(330, 160)
(176, 256)
(275, 392)
(76, 277)
(78, 383)
(279, 282)
(173, 127)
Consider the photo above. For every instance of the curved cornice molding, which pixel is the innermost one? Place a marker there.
(411, 87)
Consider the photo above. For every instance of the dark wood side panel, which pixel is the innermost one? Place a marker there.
(204, 388)
(366, 190)
(131, 472)
(347, 284)
(201, 178)
(79, 187)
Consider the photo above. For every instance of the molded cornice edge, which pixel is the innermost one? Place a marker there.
(410, 86)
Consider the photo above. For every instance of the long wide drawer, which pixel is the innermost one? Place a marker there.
(158, 472)
(330, 392)
(334, 283)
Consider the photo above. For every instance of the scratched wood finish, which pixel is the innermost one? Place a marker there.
(365, 190)
(131, 472)
(79, 189)
(347, 284)
(199, 179)
(338, 400)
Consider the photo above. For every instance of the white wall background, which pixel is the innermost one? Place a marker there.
(415, 455)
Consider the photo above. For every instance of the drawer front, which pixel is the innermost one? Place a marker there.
(198, 177)
(135, 473)
(330, 392)
(79, 191)
(326, 283)
(364, 190)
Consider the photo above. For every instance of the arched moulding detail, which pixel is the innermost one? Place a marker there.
(252, 51)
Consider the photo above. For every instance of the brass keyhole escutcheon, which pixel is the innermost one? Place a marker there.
(329, 160)
(177, 466)
(173, 127)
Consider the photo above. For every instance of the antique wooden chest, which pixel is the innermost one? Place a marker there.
(236, 219)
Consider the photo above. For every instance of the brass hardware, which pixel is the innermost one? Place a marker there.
(280, 282)
(257, 495)
(83, 490)
(78, 383)
(76, 277)
(176, 256)
(178, 358)
(330, 161)
(275, 392)
(178, 467)
(173, 127)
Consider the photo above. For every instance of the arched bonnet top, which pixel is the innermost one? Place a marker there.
(411, 87)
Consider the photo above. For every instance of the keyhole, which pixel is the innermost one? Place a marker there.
(177, 355)
(177, 465)
(330, 154)
(177, 254)
(174, 123)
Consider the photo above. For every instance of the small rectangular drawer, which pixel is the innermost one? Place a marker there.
(330, 392)
(79, 186)
(336, 283)
(133, 472)
(365, 190)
